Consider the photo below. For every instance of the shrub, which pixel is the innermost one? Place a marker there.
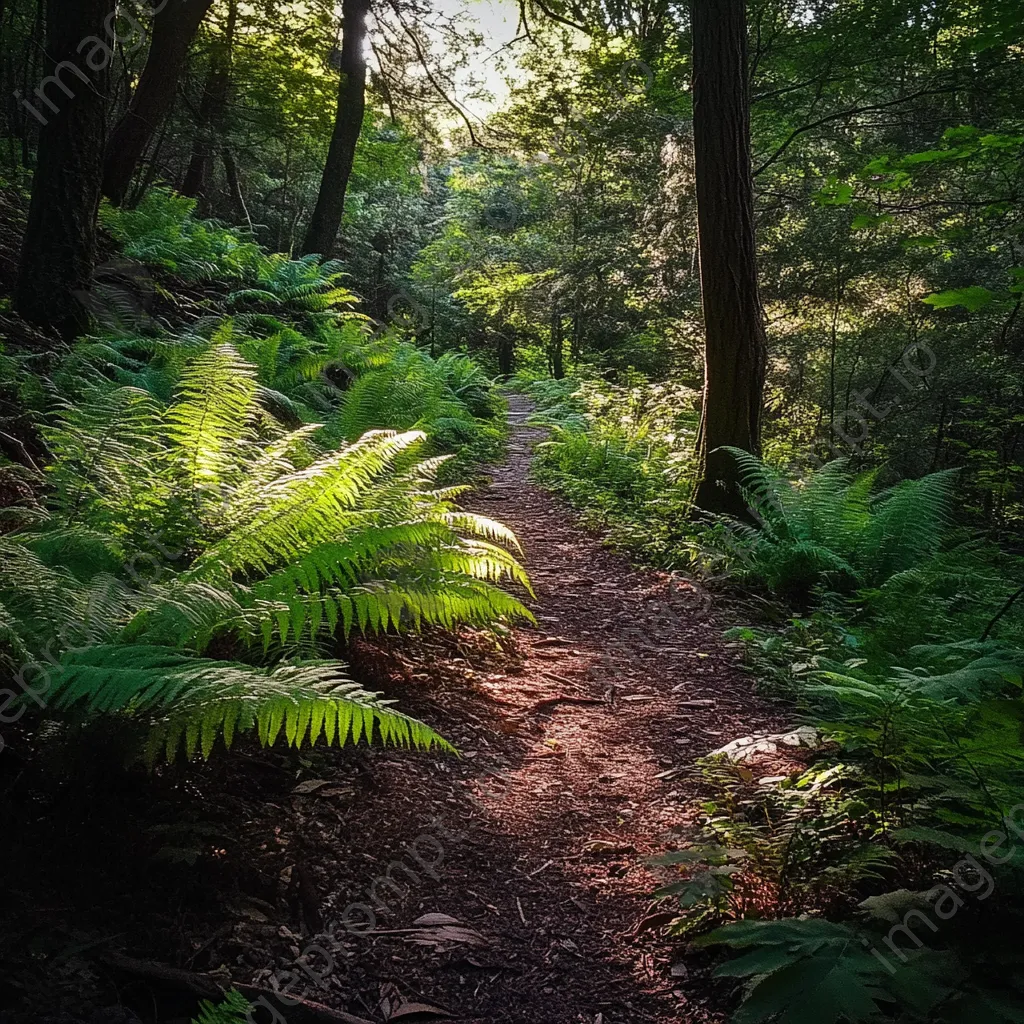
(305, 285)
(162, 231)
(624, 457)
(832, 529)
(411, 390)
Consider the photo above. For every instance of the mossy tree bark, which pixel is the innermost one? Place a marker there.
(735, 343)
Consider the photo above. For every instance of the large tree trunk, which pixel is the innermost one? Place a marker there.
(174, 28)
(330, 205)
(211, 110)
(735, 343)
(60, 238)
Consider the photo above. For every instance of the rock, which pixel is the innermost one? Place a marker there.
(747, 747)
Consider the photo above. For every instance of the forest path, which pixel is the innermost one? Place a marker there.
(527, 852)
(571, 776)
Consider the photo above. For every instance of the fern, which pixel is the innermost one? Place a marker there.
(469, 383)
(234, 1008)
(254, 535)
(304, 284)
(830, 530)
(106, 452)
(162, 231)
(211, 419)
(190, 702)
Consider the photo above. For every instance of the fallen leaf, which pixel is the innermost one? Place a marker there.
(446, 935)
(655, 921)
(606, 846)
(428, 920)
(417, 1010)
(310, 786)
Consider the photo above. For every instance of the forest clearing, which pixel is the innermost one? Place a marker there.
(511, 512)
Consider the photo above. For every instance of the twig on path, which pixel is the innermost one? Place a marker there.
(521, 914)
(550, 702)
(557, 678)
(546, 864)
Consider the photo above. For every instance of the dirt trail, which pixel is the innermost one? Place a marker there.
(531, 845)
(568, 783)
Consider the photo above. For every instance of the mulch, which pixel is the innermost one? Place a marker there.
(506, 885)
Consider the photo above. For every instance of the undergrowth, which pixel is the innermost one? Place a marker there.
(907, 660)
(621, 454)
(220, 506)
(901, 650)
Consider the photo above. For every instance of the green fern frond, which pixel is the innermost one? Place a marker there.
(106, 456)
(481, 526)
(377, 579)
(234, 1008)
(830, 529)
(211, 416)
(907, 523)
(191, 702)
(307, 507)
(293, 546)
(304, 284)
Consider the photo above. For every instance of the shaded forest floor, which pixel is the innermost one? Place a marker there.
(509, 884)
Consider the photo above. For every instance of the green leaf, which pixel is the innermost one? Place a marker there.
(972, 298)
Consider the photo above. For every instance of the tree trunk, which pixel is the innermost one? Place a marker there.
(556, 353)
(235, 192)
(735, 343)
(506, 353)
(325, 223)
(3, 44)
(30, 67)
(60, 238)
(197, 177)
(212, 114)
(174, 28)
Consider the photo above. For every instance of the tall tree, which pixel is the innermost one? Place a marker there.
(174, 28)
(212, 111)
(60, 237)
(735, 345)
(325, 223)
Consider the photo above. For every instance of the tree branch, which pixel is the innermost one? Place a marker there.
(843, 114)
(430, 75)
(1007, 605)
(559, 18)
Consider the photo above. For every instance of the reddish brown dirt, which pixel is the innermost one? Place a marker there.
(572, 736)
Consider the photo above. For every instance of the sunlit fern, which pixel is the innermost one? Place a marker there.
(205, 520)
(305, 284)
(188, 703)
(409, 390)
(833, 528)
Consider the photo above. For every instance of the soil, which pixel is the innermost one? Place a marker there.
(508, 884)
